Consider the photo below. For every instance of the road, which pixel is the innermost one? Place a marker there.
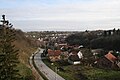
(50, 74)
(34, 71)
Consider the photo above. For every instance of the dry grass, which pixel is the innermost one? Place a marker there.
(25, 50)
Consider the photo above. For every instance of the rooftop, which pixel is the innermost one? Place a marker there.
(111, 57)
(54, 52)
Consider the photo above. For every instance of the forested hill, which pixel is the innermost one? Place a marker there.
(105, 39)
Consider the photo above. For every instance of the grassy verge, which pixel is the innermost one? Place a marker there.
(79, 72)
(100, 74)
(24, 66)
(65, 74)
(25, 72)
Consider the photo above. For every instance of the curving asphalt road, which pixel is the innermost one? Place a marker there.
(50, 74)
(34, 71)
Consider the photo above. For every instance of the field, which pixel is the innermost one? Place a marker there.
(80, 72)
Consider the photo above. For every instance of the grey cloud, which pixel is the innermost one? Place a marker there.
(77, 16)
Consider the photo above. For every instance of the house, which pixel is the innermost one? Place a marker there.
(108, 61)
(118, 64)
(80, 55)
(97, 53)
(64, 55)
(54, 55)
(65, 47)
(61, 45)
(75, 57)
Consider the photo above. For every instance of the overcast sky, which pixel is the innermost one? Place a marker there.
(30, 15)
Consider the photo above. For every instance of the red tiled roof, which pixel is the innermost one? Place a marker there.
(57, 52)
(54, 52)
(111, 57)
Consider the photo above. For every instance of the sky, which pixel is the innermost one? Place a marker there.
(62, 15)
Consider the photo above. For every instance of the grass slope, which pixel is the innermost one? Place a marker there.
(25, 50)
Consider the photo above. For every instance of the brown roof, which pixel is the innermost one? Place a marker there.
(54, 52)
(111, 57)
(74, 52)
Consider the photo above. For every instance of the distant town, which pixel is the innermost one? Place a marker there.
(76, 53)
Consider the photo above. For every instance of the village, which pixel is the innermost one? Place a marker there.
(78, 55)
(74, 60)
(75, 55)
(59, 40)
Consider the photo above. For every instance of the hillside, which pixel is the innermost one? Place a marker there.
(105, 39)
(25, 47)
(25, 50)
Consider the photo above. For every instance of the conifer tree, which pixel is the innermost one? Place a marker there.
(8, 53)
